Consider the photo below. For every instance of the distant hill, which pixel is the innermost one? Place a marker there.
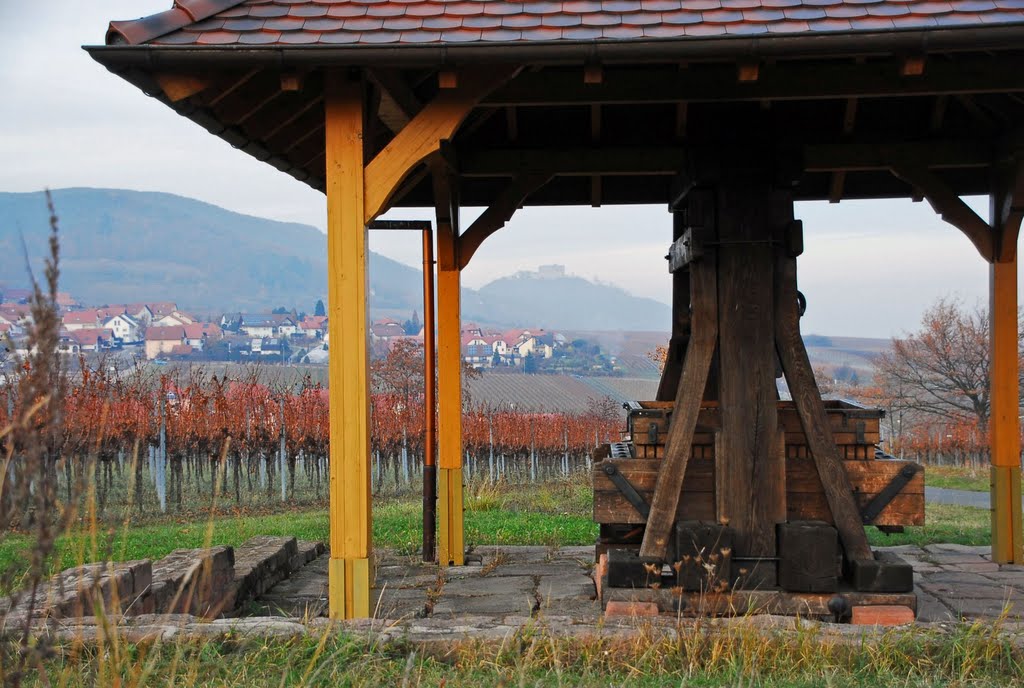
(127, 246)
(119, 246)
(541, 299)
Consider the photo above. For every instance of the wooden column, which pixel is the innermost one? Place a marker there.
(451, 546)
(350, 509)
(1007, 208)
(750, 479)
(1007, 539)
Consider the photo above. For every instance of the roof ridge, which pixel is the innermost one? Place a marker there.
(181, 14)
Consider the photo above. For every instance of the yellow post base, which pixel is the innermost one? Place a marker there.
(451, 549)
(349, 585)
(1007, 539)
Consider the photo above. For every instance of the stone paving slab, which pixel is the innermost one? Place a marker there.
(952, 582)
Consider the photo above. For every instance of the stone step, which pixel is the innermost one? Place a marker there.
(193, 581)
(261, 563)
(308, 550)
(116, 588)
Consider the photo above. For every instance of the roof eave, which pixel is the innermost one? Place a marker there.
(832, 44)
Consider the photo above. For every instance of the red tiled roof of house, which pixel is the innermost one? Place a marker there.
(375, 22)
(181, 350)
(89, 317)
(165, 334)
(90, 336)
(313, 322)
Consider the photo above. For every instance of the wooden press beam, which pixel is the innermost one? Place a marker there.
(499, 212)
(696, 364)
(807, 398)
(437, 121)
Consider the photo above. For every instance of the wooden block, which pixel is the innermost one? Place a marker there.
(624, 609)
(808, 556)
(882, 615)
(626, 569)
(886, 572)
(703, 556)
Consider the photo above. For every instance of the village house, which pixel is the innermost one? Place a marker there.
(162, 340)
(92, 339)
(125, 327)
(198, 334)
(265, 325)
(313, 326)
(81, 320)
(173, 318)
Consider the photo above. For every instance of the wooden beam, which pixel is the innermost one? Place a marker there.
(835, 192)
(291, 119)
(673, 366)
(178, 87)
(624, 160)
(696, 364)
(437, 121)
(350, 501)
(807, 398)
(948, 205)
(849, 116)
(782, 81)
(499, 212)
(856, 157)
(938, 113)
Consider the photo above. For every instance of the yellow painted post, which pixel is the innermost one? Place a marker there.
(451, 546)
(1007, 538)
(350, 509)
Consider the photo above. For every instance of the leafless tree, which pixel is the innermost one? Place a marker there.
(942, 369)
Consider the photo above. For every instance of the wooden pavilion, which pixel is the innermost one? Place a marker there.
(727, 111)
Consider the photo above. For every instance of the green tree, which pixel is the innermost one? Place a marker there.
(319, 309)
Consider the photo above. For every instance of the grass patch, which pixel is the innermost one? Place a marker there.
(738, 655)
(958, 477)
(962, 525)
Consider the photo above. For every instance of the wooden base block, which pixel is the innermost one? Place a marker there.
(887, 572)
(809, 557)
(882, 615)
(703, 555)
(627, 569)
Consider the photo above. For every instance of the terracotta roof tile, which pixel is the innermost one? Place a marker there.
(297, 22)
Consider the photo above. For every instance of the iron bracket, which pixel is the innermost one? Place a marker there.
(872, 509)
(627, 489)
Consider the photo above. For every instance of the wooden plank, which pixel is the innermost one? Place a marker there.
(696, 365)
(807, 398)
(178, 87)
(350, 510)
(750, 471)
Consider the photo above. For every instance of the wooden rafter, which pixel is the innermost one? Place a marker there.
(398, 103)
(804, 81)
(500, 212)
(947, 204)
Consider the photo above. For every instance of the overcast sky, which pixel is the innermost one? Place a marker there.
(870, 268)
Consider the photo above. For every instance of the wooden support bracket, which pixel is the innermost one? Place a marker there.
(1008, 208)
(807, 398)
(500, 212)
(697, 363)
(948, 205)
(436, 122)
(178, 87)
